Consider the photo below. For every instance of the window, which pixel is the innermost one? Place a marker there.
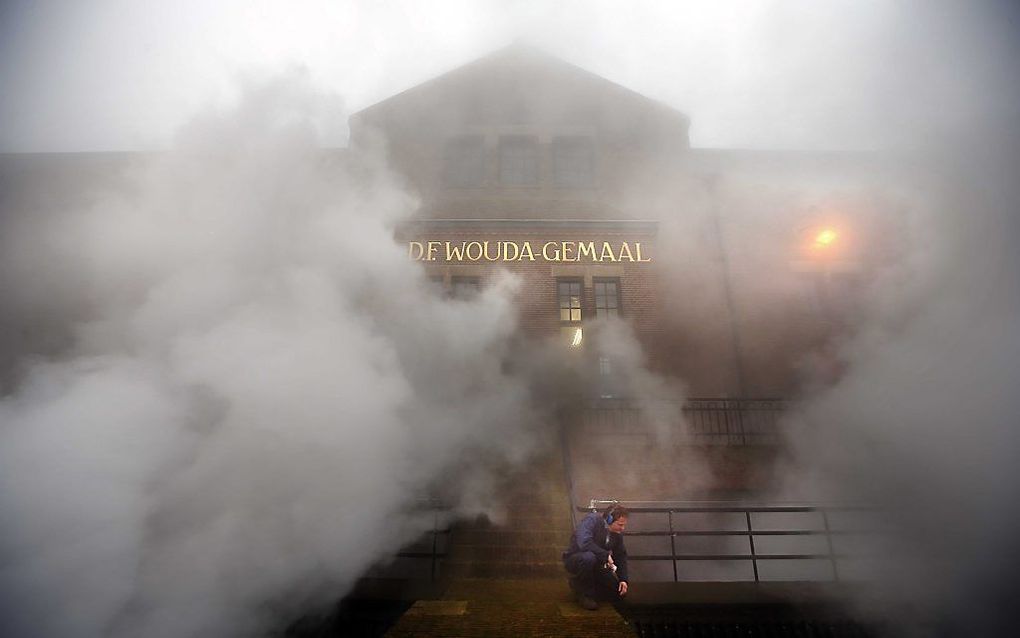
(607, 384)
(465, 287)
(518, 161)
(607, 297)
(464, 162)
(605, 367)
(573, 162)
(436, 285)
(569, 292)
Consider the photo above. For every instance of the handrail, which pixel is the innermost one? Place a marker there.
(568, 473)
(433, 555)
(708, 421)
(750, 532)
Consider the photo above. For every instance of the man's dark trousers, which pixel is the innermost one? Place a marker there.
(591, 577)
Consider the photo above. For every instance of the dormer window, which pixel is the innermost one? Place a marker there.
(573, 162)
(464, 162)
(518, 160)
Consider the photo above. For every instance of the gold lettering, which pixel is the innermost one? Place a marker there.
(587, 249)
(433, 249)
(485, 251)
(415, 250)
(545, 251)
(527, 252)
(506, 251)
(568, 247)
(607, 250)
(453, 253)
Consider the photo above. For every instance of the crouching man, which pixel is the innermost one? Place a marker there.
(597, 559)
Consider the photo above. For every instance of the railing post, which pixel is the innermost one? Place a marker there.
(672, 544)
(750, 540)
(739, 407)
(832, 552)
(435, 538)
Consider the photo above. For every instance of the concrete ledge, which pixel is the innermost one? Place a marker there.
(740, 593)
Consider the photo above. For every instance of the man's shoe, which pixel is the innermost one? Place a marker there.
(587, 603)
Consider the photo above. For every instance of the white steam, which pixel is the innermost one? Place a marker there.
(924, 421)
(262, 389)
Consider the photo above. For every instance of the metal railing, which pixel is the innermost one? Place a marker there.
(749, 532)
(700, 421)
(434, 555)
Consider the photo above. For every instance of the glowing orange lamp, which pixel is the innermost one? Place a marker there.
(826, 237)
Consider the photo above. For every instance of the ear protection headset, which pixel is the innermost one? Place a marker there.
(609, 512)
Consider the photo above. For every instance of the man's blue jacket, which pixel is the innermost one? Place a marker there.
(593, 535)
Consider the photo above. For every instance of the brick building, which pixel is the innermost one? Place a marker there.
(733, 268)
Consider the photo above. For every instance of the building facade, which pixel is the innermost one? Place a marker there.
(735, 270)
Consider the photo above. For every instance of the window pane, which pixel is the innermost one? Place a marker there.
(569, 299)
(572, 336)
(607, 298)
(518, 161)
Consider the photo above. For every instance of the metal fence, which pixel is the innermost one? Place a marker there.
(746, 534)
(699, 421)
(432, 547)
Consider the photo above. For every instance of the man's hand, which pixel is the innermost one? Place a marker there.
(609, 561)
(622, 589)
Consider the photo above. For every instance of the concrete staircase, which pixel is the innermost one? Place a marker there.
(530, 543)
(508, 579)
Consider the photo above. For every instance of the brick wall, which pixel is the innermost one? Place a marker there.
(537, 297)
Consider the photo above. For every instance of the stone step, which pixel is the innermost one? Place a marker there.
(500, 569)
(514, 537)
(506, 553)
(476, 535)
(522, 521)
(509, 590)
(471, 618)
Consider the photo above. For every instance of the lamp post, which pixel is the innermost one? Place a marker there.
(823, 247)
(724, 265)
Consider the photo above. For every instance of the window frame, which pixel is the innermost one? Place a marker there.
(569, 308)
(504, 168)
(602, 312)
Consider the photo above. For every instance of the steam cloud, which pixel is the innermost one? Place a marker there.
(262, 389)
(923, 422)
(261, 386)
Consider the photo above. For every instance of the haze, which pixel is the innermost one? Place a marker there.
(123, 75)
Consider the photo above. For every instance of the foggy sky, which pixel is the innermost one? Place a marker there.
(124, 74)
